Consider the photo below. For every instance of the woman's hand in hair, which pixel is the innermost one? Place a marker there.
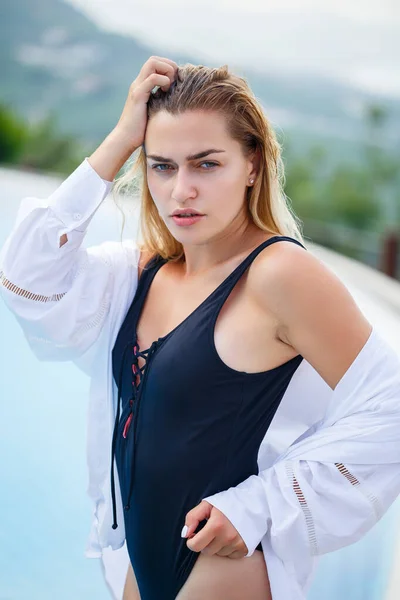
(156, 71)
(130, 130)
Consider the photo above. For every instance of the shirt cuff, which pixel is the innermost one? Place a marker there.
(79, 196)
(246, 508)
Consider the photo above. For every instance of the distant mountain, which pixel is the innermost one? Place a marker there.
(53, 58)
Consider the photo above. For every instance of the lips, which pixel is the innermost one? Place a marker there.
(185, 220)
(186, 212)
(187, 215)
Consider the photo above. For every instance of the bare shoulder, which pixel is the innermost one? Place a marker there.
(285, 266)
(316, 312)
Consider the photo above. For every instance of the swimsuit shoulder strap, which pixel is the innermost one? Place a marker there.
(229, 283)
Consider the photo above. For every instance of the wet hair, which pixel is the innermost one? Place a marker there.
(201, 88)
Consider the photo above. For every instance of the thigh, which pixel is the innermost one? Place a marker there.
(222, 578)
(131, 590)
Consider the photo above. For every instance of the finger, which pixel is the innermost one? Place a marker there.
(205, 536)
(155, 65)
(224, 545)
(217, 546)
(199, 513)
(167, 60)
(236, 547)
(237, 554)
(226, 550)
(200, 540)
(227, 547)
(145, 88)
(163, 68)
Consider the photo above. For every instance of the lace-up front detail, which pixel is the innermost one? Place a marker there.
(138, 377)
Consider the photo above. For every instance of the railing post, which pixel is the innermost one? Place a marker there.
(390, 250)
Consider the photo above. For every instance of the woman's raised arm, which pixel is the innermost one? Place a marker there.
(61, 293)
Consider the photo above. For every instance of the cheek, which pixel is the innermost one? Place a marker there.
(229, 194)
(232, 181)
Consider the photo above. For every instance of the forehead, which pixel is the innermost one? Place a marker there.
(187, 133)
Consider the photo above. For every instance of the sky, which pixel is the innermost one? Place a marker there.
(354, 41)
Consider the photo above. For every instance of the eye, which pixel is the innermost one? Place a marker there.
(213, 164)
(155, 167)
(160, 165)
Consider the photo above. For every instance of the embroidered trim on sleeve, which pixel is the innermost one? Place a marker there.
(95, 322)
(12, 287)
(30, 295)
(312, 536)
(354, 481)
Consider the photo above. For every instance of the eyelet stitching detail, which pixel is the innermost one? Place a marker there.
(96, 321)
(12, 287)
(312, 536)
(30, 295)
(355, 482)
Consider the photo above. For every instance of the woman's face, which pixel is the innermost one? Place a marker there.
(213, 184)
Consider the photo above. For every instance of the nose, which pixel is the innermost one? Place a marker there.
(183, 188)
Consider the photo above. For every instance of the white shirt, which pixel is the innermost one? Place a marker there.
(329, 464)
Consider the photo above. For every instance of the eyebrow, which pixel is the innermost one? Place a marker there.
(188, 158)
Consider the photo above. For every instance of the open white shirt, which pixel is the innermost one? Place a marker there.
(329, 465)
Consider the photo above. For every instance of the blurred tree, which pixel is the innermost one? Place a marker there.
(39, 145)
(304, 183)
(13, 135)
(363, 197)
(338, 201)
(383, 168)
(350, 194)
(46, 149)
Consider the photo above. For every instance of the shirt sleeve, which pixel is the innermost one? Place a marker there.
(337, 479)
(60, 296)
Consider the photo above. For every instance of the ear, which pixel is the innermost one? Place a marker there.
(254, 161)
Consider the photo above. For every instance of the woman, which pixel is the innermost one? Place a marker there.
(202, 328)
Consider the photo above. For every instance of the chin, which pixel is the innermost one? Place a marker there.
(189, 236)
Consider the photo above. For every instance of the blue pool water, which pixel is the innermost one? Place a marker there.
(45, 513)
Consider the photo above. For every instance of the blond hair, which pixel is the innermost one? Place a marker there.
(216, 89)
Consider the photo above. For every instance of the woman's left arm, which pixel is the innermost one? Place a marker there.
(337, 480)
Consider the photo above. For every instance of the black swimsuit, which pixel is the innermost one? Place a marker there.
(190, 427)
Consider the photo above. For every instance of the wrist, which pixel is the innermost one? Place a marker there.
(111, 155)
(123, 139)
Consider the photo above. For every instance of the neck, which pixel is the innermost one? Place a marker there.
(201, 258)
